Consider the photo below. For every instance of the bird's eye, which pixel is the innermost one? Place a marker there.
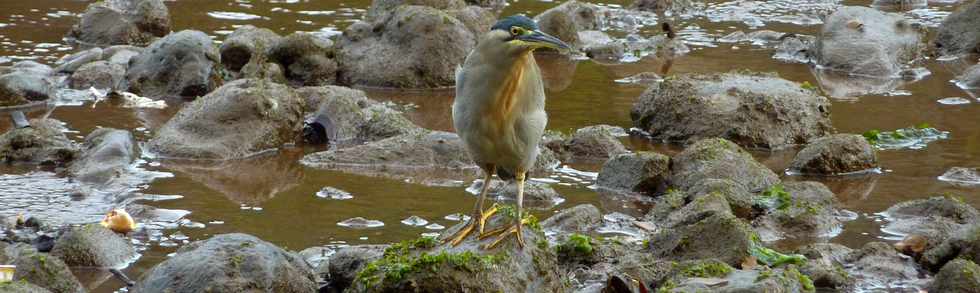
(515, 31)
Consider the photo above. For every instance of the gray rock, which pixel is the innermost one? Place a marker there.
(957, 276)
(718, 235)
(230, 263)
(70, 63)
(660, 6)
(970, 78)
(765, 280)
(810, 213)
(741, 201)
(697, 209)
(718, 158)
(642, 172)
(566, 20)
(963, 243)
(181, 64)
(754, 110)
(237, 120)
(536, 194)
(93, 246)
(593, 143)
(867, 42)
(348, 261)
(21, 287)
(42, 143)
(938, 206)
(578, 219)
(825, 265)
(879, 262)
(121, 54)
(351, 117)
(408, 49)
(121, 22)
(25, 82)
(306, 58)
(440, 154)
(794, 48)
(838, 154)
(107, 153)
(243, 45)
(469, 267)
(42, 269)
(958, 33)
(99, 74)
(381, 9)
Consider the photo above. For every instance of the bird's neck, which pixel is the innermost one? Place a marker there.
(513, 88)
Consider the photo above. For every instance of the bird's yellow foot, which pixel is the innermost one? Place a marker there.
(477, 222)
(503, 233)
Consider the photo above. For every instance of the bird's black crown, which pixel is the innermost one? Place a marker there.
(515, 20)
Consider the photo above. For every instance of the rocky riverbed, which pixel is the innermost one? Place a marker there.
(289, 146)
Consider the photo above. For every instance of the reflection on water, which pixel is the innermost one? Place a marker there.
(249, 181)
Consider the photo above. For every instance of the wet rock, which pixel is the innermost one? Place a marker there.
(440, 153)
(718, 158)
(867, 42)
(593, 143)
(642, 172)
(93, 246)
(963, 243)
(957, 276)
(306, 58)
(660, 6)
(99, 74)
(807, 212)
(237, 120)
(742, 203)
(42, 269)
(794, 48)
(408, 49)
(837, 154)
(348, 261)
(21, 287)
(958, 33)
(25, 82)
(599, 46)
(699, 277)
(107, 153)
(578, 219)
(878, 261)
(935, 218)
(754, 110)
(970, 78)
(245, 44)
(381, 9)
(961, 176)
(824, 266)
(42, 143)
(120, 54)
(348, 116)
(121, 22)
(467, 267)
(181, 64)
(229, 263)
(566, 20)
(677, 213)
(71, 63)
(718, 235)
(536, 194)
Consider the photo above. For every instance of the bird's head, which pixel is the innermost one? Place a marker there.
(520, 34)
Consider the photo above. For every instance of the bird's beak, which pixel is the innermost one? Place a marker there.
(539, 39)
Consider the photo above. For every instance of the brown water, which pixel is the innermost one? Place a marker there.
(581, 93)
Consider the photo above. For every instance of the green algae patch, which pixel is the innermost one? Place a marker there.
(707, 269)
(774, 258)
(577, 244)
(399, 261)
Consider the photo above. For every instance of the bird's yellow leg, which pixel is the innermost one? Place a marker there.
(479, 218)
(518, 227)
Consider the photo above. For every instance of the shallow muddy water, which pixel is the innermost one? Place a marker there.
(274, 198)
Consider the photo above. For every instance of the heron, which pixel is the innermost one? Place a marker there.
(499, 112)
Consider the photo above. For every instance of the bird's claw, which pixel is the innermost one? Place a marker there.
(517, 228)
(477, 222)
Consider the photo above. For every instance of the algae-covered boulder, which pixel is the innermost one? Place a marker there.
(753, 110)
(718, 235)
(230, 263)
(239, 119)
(798, 210)
(41, 269)
(93, 246)
(957, 276)
(348, 261)
(718, 158)
(837, 154)
(640, 172)
(42, 143)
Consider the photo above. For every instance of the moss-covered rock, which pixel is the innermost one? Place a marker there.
(347, 262)
(837, 154)
(957, 276)
(717, 158)
(93, 246)
(798, 210)
(42, 269)
(964, 243)
(640, 172)
(717, 235)
(42, 143)
(593, 143)
(824, 266)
